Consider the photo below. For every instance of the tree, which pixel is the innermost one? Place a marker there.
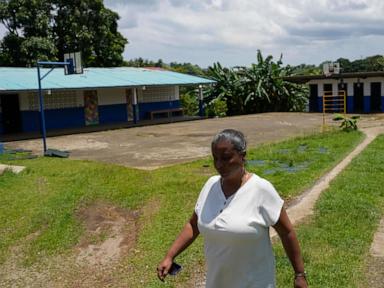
(304, 69)
(187, 68)
(45, 30)
(229, 87)
(259, 88)
(29, 32)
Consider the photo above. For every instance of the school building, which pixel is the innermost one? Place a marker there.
(96, 97)
(364, 90)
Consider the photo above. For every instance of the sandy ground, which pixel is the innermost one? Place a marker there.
(151, 147)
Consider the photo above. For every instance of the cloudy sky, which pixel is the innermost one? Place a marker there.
(230, 31)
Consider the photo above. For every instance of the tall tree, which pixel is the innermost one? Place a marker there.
(89, 27)
(29, 32)
(43, 29)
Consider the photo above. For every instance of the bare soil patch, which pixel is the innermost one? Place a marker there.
(96, 261)
(110, 233)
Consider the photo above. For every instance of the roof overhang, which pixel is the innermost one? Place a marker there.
(302, 79)
(25, 79)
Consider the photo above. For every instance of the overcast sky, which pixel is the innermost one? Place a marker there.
(230, 31)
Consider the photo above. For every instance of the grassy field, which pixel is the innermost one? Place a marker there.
(45, 198)
(336, 240)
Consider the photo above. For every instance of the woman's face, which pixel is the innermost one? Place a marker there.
(227, 160)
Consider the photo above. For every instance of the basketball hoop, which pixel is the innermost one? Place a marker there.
(330, 68)
(74, 65)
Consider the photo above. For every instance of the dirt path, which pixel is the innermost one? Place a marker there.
(375, 263)
(303, 207)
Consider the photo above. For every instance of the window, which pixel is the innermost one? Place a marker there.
(56, 100)
(157, 94)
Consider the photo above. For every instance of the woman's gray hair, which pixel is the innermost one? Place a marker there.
(235, 137)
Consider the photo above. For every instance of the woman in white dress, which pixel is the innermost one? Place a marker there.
(233, 214)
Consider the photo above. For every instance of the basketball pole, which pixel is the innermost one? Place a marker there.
(70, 68)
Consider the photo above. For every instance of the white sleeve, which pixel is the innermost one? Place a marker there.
(270, 204)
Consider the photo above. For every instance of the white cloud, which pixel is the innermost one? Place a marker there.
(230, 31)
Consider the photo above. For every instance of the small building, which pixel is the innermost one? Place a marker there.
(96, 97)
(364, 90)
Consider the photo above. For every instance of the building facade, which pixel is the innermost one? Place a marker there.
(99, 96)
(364, 90)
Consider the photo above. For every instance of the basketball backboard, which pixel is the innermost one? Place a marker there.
(330, 68)
(75, 66)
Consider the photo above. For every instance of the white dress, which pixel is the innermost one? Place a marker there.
(237, 246)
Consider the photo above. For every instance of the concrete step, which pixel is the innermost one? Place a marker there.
(13, 168)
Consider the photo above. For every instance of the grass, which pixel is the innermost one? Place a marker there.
(337, 239)
(297, 164)
(45, 197)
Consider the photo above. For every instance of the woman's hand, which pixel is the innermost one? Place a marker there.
(300, 282)
(164, 267)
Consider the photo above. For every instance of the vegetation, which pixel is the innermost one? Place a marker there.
(46, 29)
(304, 69)
(368, 64)
(43, 200)
(216, 108)
(186, 68)
(259, 88)
(336, 240)
(190, 103)
(347, 123)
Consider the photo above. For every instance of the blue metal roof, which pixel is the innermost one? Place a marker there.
(24, 79)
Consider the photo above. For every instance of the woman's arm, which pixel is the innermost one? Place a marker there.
(185, 238)
(291, 245)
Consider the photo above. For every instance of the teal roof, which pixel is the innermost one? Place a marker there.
(24, 79)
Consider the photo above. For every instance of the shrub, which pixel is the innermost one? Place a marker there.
(190, 104)
(217, 107)
(347, 123)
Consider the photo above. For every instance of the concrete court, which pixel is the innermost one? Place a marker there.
(150, 147)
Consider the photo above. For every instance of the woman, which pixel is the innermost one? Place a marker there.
(233, 213)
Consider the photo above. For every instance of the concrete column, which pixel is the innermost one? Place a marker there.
(335, 88)
(382, 96)
(201, 104)
(367, 97)
(350, 106)
(350, 88)
(367, 88)
(134, 105)
(320, 91)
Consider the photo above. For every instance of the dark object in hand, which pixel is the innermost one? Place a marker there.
(175, 268)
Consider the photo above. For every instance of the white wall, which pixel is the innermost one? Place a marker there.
(350, 82)
(106, 96)
(111, 96)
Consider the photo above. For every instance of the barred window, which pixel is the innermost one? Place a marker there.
(56, 100)
(157, 94)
